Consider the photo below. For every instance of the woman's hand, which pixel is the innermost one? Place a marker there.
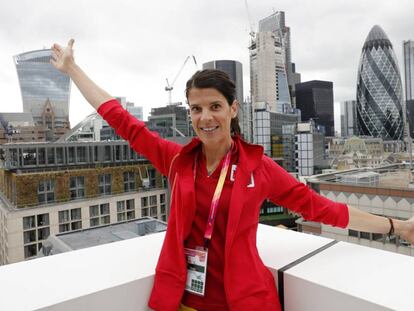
(62, 58)
(407, 230)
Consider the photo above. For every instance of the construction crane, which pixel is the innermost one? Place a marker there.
(252, 33)
(169, 86)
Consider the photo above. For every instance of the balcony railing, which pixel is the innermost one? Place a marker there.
(313, 273)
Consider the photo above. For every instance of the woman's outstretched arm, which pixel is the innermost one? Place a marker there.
(362, 221)
(62, 59)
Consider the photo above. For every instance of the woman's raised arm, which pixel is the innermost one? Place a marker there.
(63, 60)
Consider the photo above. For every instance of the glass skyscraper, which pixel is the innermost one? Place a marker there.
(408, 47)
(42, 87)
(379, 89)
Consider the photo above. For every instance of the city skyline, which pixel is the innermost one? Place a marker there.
(129, 52)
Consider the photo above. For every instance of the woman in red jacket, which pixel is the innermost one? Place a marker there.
(209, 259)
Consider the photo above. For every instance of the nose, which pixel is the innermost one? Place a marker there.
(206, 115)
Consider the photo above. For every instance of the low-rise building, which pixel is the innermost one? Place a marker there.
(386, 191)
(51, 188)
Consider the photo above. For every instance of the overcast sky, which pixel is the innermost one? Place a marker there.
(130, 47)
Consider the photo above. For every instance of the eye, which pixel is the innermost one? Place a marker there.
(195, 109)
(216, 106)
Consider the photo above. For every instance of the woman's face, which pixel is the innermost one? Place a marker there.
(211, 115)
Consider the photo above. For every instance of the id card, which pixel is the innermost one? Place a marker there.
(196, 270)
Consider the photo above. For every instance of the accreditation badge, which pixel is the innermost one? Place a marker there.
(196, 270)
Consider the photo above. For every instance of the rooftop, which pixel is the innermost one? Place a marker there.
(394, 176)
(94, 236)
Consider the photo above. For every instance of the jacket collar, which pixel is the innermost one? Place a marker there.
(249, 154)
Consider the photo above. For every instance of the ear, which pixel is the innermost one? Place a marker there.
(234, 109)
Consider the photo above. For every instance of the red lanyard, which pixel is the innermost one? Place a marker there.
(216, 197)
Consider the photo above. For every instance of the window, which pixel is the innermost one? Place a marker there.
(99, 214)
(105, 184)
(125, 210)
(70, 220)
(77, 187)
(59, 155)
(50, 155)
(153, 200)
(93, 211)
(43, 220)
(29, 236)
(153, 211)
(46, 191)
(35, 229)
(43, 233)
(29, 222)
(144, 201)
(144, 212)
(30, 251)
(162, 198)
(162, 207)
(129, 181)
(71, 155)
(81, 154)
(151, 176)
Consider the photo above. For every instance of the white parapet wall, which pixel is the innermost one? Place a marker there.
(119, 276)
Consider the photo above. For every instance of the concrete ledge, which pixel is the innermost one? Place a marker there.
(120, 275)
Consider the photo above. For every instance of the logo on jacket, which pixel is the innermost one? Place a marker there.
(233, 171)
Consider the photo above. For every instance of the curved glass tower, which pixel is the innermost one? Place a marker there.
(379, 89)
(40, 83)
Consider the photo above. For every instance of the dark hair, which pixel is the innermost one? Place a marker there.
(221, 82)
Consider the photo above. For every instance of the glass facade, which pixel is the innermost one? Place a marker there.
(39, 82)
(316, 101)
(379, 89)
(348, 118)
(408, 47)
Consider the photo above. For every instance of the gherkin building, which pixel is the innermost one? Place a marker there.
(379, 89)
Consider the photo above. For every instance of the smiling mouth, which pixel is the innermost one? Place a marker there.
(209, 129)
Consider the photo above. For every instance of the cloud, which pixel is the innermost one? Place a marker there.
(130, 47)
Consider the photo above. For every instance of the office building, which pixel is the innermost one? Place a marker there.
(276, 24)
(408, 50)
(170, 121)
(51, 188)
(379, 89)
(348, 118)
(273, 76)
(45, 91)
(268, 129)
(234, 69)
(315, 101)
(310, 150)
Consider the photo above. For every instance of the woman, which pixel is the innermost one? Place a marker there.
(218, 184)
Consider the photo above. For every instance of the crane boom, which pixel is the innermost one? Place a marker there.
(169, 86)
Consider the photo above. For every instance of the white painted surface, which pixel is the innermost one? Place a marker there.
(119, 276)
(47, 281)
(352, 277)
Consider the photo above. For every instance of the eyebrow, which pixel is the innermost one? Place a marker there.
(211, 103)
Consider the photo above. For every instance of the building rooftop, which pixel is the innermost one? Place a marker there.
(16, 119)
(60, 243)
(394, 176)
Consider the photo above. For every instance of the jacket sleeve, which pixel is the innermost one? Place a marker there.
(286, 191)
(160, 152)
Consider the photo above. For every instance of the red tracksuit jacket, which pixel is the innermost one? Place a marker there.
(248, 284)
